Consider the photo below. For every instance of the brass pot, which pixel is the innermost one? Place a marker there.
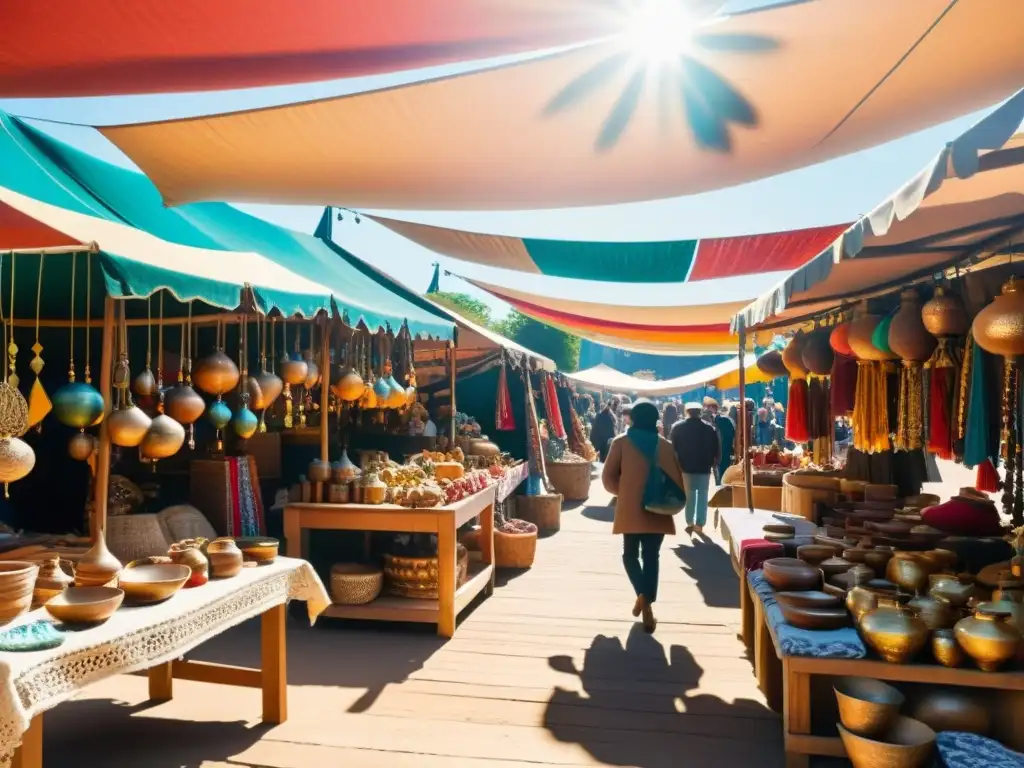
(1010, 591)
(127, 428)
(216, 374)
(944, 315)
(952, 588)
(946, 649)
(893, 631)
(999, 327)
(908, 744)
(934, 611)
(859, 601)
(183, 404)
(948, 709)
(908, 571)
(878, 560)
(987, 637)
(867, 707)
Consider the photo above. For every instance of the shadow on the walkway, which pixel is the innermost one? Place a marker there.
(709, 566)
(638, 707)
(603, 514)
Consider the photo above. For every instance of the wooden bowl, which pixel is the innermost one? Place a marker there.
(787, 574)
(890, 528)
(838, 544)
(779, 528)
(907, 744)
(776, 538)
(813, 554)
(835, 566)
(867, 707)
(811, 599)
(857, 555)
(17, 580)
(815, 618)
(260, 549)
(85, 605)
(146, 584)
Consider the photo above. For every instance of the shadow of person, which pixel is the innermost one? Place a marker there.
(600, 514)
(709, 565)
(635, 705)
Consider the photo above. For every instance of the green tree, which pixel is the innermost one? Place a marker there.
(465, 305)
(562, 347)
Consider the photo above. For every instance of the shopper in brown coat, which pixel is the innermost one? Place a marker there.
(625, 475)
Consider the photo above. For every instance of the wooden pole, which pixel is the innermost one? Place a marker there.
(451, 376)
(748, 480)
(101, 486)
(325, 391)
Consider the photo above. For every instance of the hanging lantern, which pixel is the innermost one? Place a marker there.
(816, 353)
(908, 337)
(312, 377)
(396, 396)
(999, 327)
(77, 404)
(16, 459)
(219, 414)
(81, 446)
(163, 439)
(381, 391)
(880, 338)
(127, 427)
(145, 383)
(183, 404)
(791, 356)
(349, 386)
(861, 328)
(245, 422)
(770, 364)
(216, 374)
(839, 340)
(944, 315)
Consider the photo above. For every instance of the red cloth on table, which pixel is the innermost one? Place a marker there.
(961, 516)
(753, 553)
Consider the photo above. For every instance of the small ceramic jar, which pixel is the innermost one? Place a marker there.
(225, 558)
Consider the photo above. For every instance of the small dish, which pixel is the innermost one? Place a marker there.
(810, 599)
(85, 605)
(147, 584)
(260, 549)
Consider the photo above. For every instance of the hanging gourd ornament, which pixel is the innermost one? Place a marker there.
(908, 337)
(770, 364)
(216, 374)
(880, 338)
(839, 340)
(312, 371)
(16, 456)
(944, 315)
(791, 356)
(350, 385)
(163, 439)
(127, 425)
(81, 446)
(861, 329)
(77, 404)
(245, 422)
(396, 397)
(816, 353)
(219, 414)
(999, 327)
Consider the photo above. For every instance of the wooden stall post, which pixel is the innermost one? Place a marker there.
(98, 519)
(452, 357)
(320, 489)
(744, 420)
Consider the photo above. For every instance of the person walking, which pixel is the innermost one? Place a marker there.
(698, 451)
(603, 431)
(669, 416)
(726, 437)
(633, 474)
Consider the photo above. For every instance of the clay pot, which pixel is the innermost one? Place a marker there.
(97, 567)
(946, 649)
(319, 471)
(834, 566)
(861, 330)
(814, 554)
(908, 337)
(163, 439)
(817, 354)
(349, 387)
(814, 618)
(792, 356)
(950, 709)
(787, 574)
(893, 631)
(839, 340)
(934, 611)
(183, 404)
(987, 637)
(17, 581)
(51, 581)
(271, 387)
(216, 374)
(878, 559)
(189, 553)
(945, 315)
(909, 572)
(999, 327)
(857, 575)
(85, 605)
(811, 599)
(770, 364)
(225, 558)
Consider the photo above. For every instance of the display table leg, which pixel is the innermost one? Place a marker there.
(796, 713)
(487, 544)
(446, 577)
(274, 663)
(30, 753)
(767, 667)
(746, 613)
(161, 682)
(293, 533)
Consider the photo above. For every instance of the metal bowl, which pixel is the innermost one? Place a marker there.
(867, 707)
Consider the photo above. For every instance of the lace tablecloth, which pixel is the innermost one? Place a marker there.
(511, 479)
(139, 638)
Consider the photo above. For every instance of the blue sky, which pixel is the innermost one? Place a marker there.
(831, 192)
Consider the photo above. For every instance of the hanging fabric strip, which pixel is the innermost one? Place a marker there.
(504, 421)
(796, 419)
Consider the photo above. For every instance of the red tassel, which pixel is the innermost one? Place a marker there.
(796, 419)
(940, 427)
(554, 413)
(987, 479)
(503, 419)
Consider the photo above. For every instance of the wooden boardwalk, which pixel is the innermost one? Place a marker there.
(552, 670)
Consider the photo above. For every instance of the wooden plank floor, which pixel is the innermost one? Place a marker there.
(552, 670)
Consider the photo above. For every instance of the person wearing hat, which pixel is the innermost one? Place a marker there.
(698, 451)
(633, 474)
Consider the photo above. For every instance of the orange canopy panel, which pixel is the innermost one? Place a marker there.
(748, 96)
(19, 231)
(98, 47)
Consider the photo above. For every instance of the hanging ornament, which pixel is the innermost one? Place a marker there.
(880, 338)
(216, 374)
(312, 370)
(859, 336)
(503, 417)
(182, 403)
(77, 404)
(999, 327)
(293, 370)
(770, 364)
(944, 315)
(81, 446)
(144, 384)
(127, 424)
(270, 385)
(410, 380)
(244, 421)
(792, 356)
(16, 456)
(839, 340)
(349, 386)
(908, 337)
(38, 401)
(368, 401)
(163, 439)
(816, 353)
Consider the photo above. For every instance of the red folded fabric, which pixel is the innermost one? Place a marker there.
(961, 516)
(753, 553)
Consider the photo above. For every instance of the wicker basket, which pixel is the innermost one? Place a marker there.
(514, 550)
(571, 479)
(417, 576)
(133, 537)
(544, 511)
(355, 584)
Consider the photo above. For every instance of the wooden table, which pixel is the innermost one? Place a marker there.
(300, 518)
(155, 638)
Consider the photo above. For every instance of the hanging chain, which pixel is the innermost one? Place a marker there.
(71, 363)
(88, 312)
(12, 346)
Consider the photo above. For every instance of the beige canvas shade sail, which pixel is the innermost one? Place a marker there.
(751, 95)
(604, 378)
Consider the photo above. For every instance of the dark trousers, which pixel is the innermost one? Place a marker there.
(645, 547)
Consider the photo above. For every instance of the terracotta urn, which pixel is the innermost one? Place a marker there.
(893, 631)
(861, 329)
(908, 336)
(51, 581)
(189, 552)
(225, 558)
(987, 637)
(97, 567)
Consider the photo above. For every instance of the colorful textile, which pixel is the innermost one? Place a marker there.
(753, 553)
(245, 502)
(796, 419)
(551, 406)
(940, 412)
(504, 420)
(961, 516)
(978, 433)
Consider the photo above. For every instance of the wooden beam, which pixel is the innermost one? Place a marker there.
(748, 480)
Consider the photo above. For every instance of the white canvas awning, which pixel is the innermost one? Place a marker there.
(722, 375)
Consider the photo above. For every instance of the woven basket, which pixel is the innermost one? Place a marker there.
(133, 537)
(544, 511)
(417, 576)
(186, 522)
(514, 550)
(571, 479)
(355, 584)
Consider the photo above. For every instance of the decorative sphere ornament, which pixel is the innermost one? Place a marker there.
(293, 370)
(216, 374)
(368, 400)
(13, 411)
(219, 414)
(312, 372)
(791, 356)
(245, 423)
(163, 439)
(770, 364)
(381, 391)
(145, 383)
(81, 446)
(945, 315)
(908, 336)
(77, 404)
(839, 340)
(127, 428)
(861, 329)
(349, 387)
(817, 353)
(880, 338)
(183, 404)
(999, 327)
(271, 387)
(397, 397)
(16, 459)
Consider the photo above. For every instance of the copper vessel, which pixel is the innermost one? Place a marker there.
(946, 649)
(934, 611)
(893, 631)
(987, 637)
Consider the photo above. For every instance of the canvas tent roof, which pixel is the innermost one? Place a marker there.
(722, 375)
(754, 95)
(967, 203)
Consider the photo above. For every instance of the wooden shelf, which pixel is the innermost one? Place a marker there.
(411, 609)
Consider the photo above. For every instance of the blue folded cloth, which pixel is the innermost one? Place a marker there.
(969, 750)
(842, 643)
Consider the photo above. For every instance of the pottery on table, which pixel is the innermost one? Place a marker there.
(952, 709)
(17, 580)
(878, 559)
(85, 605)
(907, 743)
(946, 649)
(189, 552)
(839, 545)
(855, 576)
(813, 554)
(856, 555)
(987, 637)
(859, 601)
(97, 567)
(867, 707)
(890, 528)
(908, 572)
(51, 580)
(319, 471)
(815, 618)
(1010, 591)
(834, 566)
(258, 549)
(935, 611)
(147, 584)
(787, 574)
(810, 599)
(893, 631)
(225, 558)
(952, 588)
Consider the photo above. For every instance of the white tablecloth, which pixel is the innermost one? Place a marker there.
(511, 480)
(137, 638)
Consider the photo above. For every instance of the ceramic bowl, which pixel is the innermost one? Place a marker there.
(779, 528)
(815, 618)
(867, 707)
(17, 580)
(811, 599)
(145, 584)
(813, 554)
(787, 574)
(835, 566)
(907, 744)
(890, 528)
(85, 605)
(258, 549)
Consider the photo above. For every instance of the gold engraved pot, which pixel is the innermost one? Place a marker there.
(893, 631)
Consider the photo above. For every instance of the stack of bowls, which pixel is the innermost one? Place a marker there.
(17, 580)
(873, 731)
